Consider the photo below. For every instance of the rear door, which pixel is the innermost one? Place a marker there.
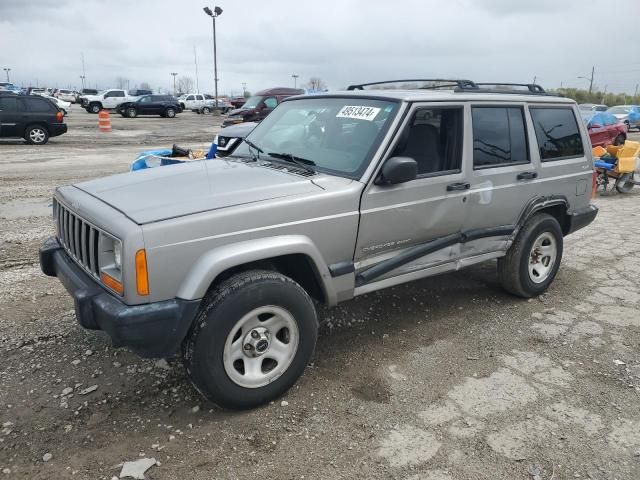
(10, 117)
(397, 222)
(36, 110)
(502, 174)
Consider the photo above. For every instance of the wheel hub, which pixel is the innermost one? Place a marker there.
(256, 342)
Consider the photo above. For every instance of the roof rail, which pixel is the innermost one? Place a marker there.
(531, 87)
(458, 83)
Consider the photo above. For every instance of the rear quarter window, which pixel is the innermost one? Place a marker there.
(37, 105)
(557, 133)
(8, 104)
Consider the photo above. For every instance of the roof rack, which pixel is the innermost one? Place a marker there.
(458, 83)
(467, 86)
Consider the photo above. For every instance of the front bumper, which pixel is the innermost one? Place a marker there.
(154, 330)
(582, 217)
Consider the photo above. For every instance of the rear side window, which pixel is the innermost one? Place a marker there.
(38, 105)
(557, 133)
(8, 104)
(499, 137)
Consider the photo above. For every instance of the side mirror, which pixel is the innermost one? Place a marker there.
(397, 170)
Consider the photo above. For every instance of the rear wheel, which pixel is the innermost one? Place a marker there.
(624, 183)
(532, 262)
(170, 112)
(251, 340)
(36, 135)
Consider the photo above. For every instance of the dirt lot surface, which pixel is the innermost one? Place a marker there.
(446, 378)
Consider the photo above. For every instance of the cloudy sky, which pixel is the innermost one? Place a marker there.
(262, 43)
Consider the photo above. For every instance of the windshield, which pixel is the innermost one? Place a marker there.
(252, 102)
(619, 110)
(339, 135)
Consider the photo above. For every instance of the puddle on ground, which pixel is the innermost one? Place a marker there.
(25, 207)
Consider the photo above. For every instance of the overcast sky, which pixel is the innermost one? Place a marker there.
(263, 43)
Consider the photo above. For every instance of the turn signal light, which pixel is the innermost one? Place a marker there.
(112, 283)
(142, 277)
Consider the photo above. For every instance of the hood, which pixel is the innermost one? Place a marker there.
(239, 130)
(241, 111)
(176, 190)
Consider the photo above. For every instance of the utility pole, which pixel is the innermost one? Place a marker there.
(635, 94)
(295, 80)
(217, 11)
(82, 77)
(7, 70)
(174, 81)
(195, 59)
(84, 74)
(535, 77)
(244, 89)
(593, 69)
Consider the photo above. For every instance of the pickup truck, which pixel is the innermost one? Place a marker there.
(107, 100)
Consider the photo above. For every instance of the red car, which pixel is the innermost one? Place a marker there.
(605, 129)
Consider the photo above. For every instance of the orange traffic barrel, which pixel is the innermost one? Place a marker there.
(104, 121)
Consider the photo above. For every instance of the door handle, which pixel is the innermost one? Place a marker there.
(527, 175)
(458, 186)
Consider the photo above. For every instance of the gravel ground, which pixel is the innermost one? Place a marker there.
(445, 378)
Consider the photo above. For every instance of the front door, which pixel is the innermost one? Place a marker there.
(10, 117)
(400, 222)
(113, 99)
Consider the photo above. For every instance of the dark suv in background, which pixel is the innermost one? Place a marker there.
(163, 105)
(257, 107)
(31, 117)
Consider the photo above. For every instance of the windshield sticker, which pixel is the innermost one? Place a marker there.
(358, 112)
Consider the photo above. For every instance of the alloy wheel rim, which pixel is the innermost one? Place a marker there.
(37, 135)
(261, 346)
(542, 257)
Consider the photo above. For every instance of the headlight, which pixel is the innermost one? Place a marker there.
(117, 254)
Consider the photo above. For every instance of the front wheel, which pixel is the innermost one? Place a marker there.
(532, 262)
(206, 110)
(251, 340)
(95, 108)
(131, 112)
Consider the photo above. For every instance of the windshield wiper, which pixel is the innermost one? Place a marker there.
(299, 161)
(252, 145)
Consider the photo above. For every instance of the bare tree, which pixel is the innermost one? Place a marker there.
(145, 86)
(121, 82)
(185, 84)
(316, 84)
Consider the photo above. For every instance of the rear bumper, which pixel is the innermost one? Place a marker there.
(151, 330)
(57, 129)
(582, 217)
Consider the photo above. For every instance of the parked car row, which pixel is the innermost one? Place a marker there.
(628, 115)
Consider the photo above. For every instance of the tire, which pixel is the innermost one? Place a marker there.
(624, 183)
(170, 112)
(541, 234)
(94, 108)
(206, 110)
(235, 311)
(36, 135)
(620, 139)
(131, 112)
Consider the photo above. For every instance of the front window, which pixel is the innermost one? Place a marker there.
(252, 102)
(339, 135)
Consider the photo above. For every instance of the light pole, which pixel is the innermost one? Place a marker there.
(7, 70)
(295, 80)
(174, 81)
(244, 89)
(82, 77)
(217, 11)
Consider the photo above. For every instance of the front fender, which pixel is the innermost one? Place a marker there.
(213, 263)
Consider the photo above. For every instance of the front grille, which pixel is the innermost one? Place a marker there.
(79, 238)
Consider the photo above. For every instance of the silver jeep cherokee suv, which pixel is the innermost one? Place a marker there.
(330, 197)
